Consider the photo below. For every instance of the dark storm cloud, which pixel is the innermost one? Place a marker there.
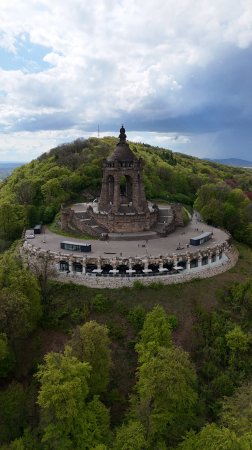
(224, 106)
(58, 121)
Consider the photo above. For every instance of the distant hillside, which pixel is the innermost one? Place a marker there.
(233, 162)
(6, 168)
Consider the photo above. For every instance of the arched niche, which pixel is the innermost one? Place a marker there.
(77, 267)
(126, 189)
(64, 266)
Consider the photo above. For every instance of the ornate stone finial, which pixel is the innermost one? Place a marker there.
(122, 135)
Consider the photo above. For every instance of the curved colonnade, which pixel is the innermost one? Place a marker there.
(168, 268)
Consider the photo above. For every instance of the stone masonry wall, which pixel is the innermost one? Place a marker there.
(117, 282)
(230, 257)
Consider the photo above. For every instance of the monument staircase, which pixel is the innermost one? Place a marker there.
(82, 221)
(166, 221)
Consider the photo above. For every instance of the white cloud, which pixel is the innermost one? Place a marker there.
(109, 59)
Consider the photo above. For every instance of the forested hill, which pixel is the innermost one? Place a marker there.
(159, 367)
(72, 172)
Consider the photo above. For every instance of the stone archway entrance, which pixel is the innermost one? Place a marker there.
(126, 189)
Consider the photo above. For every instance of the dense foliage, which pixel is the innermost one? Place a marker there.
(223, 206)
(113, 369)
(77, 398)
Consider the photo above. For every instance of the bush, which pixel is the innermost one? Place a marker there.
(156, 285)
(173, 321)
(100, 303)
(136, 317)
(138, 285)
(116, 331)
(77, 315)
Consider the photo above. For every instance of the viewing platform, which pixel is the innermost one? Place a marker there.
(120, 262)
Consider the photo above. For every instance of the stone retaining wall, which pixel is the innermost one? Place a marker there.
(119, 282)
(228, 261)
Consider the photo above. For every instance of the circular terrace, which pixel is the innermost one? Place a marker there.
(165, 258)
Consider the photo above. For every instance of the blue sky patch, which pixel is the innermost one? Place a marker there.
(28, 57)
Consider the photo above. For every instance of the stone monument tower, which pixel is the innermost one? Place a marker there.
(122, 185)
(122, 206)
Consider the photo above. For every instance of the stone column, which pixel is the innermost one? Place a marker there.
(99, 263)
(199, 260)
(110, 189)
(114, 263)
(143, 201)
(57, 265)
(103, 200)
(117, 194)
(161, 265)
(135, 191)
(188, 261)
(146, 263)
(84, 266)
(70, 265)
(175, 259)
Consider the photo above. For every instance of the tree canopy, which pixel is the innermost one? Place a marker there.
(90, 343)
(68, 420)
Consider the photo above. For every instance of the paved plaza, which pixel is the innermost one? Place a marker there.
(176, 242)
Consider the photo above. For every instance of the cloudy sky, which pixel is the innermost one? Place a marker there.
(176, 73)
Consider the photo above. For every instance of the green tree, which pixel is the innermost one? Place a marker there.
(53, 192)
(136, 317)
(90, 343)
(156, 333)
(44, 269)
(16, 318)
(238, 344)
(68, 420)
(12, 401)
(7, 359)
(231, 219)
(20, 308)
(130, 436)
(237, 410)
(237, 198)
(25, 191)
(249, 234)
(12, 220)
(166, 395)
(212, 437)
(213, 212)
(207, 192)
(26, 442)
